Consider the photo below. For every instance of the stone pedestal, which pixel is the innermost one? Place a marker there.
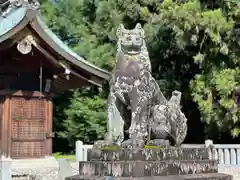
(150, 163)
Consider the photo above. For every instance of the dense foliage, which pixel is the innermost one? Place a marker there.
(194, 47)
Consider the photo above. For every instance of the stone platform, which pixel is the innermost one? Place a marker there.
(150, 163)
(209, 176)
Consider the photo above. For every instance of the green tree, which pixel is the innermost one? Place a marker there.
(215, 88)
(85, 118)
(76, 115)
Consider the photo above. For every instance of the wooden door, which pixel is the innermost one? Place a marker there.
(27, 121)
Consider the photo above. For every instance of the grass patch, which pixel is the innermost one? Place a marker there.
(65, 156)
(111, 148)
(152, 147)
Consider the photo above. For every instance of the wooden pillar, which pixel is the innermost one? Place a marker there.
(45, 127)
(9, 127)
(5, 135)
(48, 127)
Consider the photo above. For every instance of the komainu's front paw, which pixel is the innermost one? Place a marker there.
(159, 142)
(99, 144)
(127, 144)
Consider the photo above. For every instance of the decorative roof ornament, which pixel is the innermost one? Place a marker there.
(25, 45)
(8, 5)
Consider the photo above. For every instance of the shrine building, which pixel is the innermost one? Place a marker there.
(34, 65)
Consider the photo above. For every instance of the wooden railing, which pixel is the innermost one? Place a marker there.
(226, 154)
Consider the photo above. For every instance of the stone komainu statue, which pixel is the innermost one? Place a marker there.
(169, 122)
(135, 103)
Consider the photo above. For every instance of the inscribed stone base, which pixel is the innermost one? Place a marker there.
(146, 168)
(154, 161)
(149, 154)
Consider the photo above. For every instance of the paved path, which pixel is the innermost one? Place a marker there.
(47, 168)
(235, 171)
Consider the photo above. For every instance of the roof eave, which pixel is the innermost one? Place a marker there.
(43, 32)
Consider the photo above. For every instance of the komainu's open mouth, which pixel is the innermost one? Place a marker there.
(131, 49)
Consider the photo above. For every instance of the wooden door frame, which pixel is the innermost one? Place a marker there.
(6, 128)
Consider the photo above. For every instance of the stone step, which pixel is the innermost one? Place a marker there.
(209, 176)
(146, 168)
(154, 154)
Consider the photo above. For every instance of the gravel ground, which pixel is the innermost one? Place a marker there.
(47, 169)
